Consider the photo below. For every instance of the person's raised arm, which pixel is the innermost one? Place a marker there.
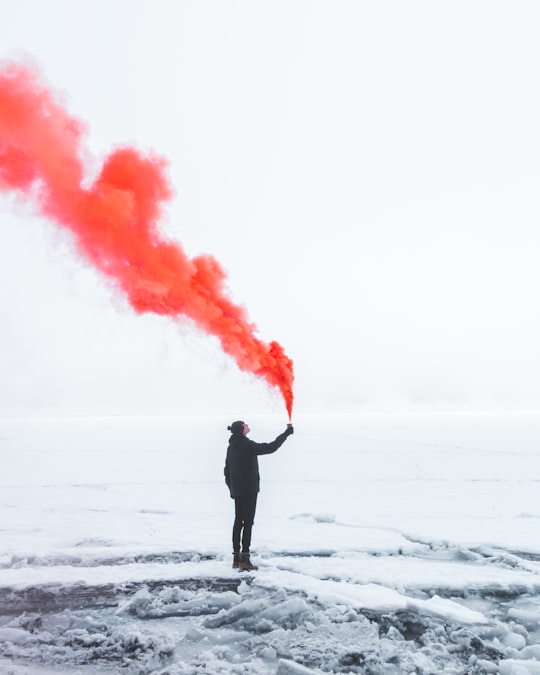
(269, 448)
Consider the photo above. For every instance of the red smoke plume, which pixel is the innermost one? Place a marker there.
(115, 222)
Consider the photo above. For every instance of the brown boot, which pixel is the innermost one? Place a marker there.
(245, 563)
(236, 559)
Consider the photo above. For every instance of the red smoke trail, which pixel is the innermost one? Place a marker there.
(115, 222)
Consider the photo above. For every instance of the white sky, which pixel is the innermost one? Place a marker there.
(367, 172)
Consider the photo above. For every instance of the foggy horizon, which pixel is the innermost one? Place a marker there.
(367, 175)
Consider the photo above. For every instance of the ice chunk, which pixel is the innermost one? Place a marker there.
(511, 639)
(292, 668)
(14, 635)
(519, 667)
(531, 652)
(268, 653)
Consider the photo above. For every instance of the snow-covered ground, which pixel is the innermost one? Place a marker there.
(387, 543)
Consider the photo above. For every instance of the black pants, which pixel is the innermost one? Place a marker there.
(244, 514)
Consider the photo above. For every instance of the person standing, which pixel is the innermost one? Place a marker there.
(243, 480)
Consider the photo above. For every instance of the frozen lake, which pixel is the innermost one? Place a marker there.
(387, 543)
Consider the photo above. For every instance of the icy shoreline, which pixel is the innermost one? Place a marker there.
(157, 617)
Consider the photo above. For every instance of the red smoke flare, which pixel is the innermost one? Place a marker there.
(115, 222)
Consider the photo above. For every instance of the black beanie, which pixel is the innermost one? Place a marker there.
(236, 427)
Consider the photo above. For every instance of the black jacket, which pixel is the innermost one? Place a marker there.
(242, 466)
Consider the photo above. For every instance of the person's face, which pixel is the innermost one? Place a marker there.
(246, 429)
